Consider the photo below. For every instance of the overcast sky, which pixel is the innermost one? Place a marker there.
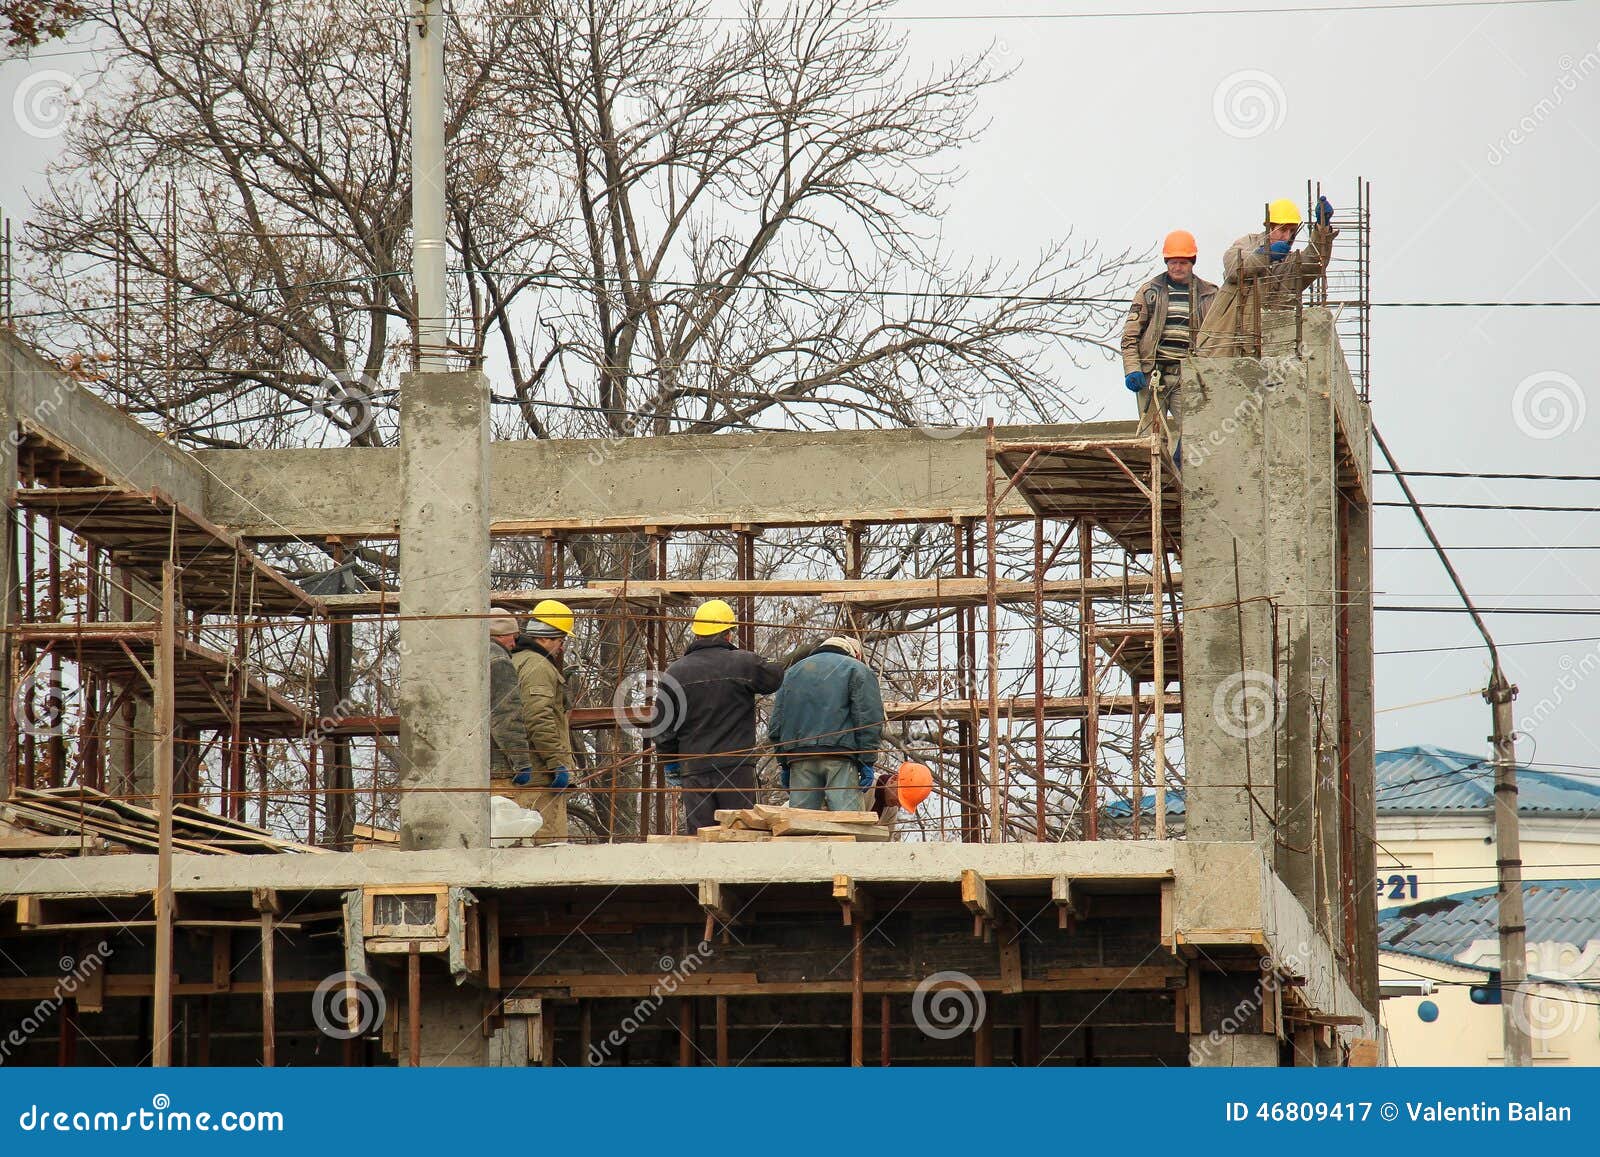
(1478, 125)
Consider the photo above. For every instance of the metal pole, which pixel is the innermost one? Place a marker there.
(161, 1028)
(996, 783)
(427, 181)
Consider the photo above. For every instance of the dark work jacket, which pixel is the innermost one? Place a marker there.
(830, 705)
(705, 707)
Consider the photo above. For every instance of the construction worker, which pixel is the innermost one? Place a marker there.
(825, 727)
(896, 794)
(704, 717)
(1163, 322)
(509, 756)
(1263, 272)
(537, 655)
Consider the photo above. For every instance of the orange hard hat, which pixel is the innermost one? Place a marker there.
(1179, 243)
(913, 783)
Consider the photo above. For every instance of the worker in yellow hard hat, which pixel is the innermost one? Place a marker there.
(703, 721)
(1162, 325)
(538, 654)
(1264, 272)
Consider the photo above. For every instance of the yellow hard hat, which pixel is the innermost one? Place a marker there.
(1283, 212)
(555, 615)
(712, 617)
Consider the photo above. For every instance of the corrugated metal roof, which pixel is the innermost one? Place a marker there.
(1435, 779)
(1564, 911)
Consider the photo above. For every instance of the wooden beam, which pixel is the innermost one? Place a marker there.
(854, 900)
(1066, 904)
(269, 995)
(221, 960)
(414, 1004)
(719, 902)
(975, 895)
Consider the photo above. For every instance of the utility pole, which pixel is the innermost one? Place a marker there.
(1517, 1045)
(427, 182)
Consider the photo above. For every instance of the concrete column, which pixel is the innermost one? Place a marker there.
(1261, 677)
(10, 589)
(444, 598)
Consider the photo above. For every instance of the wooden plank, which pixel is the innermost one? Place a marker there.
(801, 827)
(854, 899)
(720, 835)
(269, 995)
(1168, 916)
(771, 813)
(91, 995)
(1010, 957)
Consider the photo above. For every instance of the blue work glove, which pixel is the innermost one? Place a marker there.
(1279, 250)
(674, 772)
(523, 777)
(1324, 211)
(868, 774)
(783, 775)
(560, 779)
(1136, 381)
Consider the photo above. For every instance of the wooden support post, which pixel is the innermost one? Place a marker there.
(221, 960)
(1089, 729)
(267, 903)
(855, 903)
(414, 1003)
(1039, 832)
(1066, 907)
(975, 896)
(585, 1032)
(1010, 937)
(722, 1032)
(161, 1019)
(884, 1056)
(1030, 1053)
(858, 999)
(491, 943)
(686, 1031)
(983, 1042)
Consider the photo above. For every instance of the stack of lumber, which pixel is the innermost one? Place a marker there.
(96, 818)
(764, 822)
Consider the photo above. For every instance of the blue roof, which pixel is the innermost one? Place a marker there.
(1435, 779)
(1121, 809)
(1564, 911)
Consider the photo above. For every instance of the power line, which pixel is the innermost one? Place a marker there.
(1492, 610)
(1491, 476)
(1476, 646)
(1526, 508)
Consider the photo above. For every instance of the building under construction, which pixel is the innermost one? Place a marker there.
(217, 849)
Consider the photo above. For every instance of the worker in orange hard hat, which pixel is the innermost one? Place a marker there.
(1163, 322)
(1263, 273)
(896, 794)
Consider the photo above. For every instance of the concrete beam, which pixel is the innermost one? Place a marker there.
(779, 479)
(100, 435)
